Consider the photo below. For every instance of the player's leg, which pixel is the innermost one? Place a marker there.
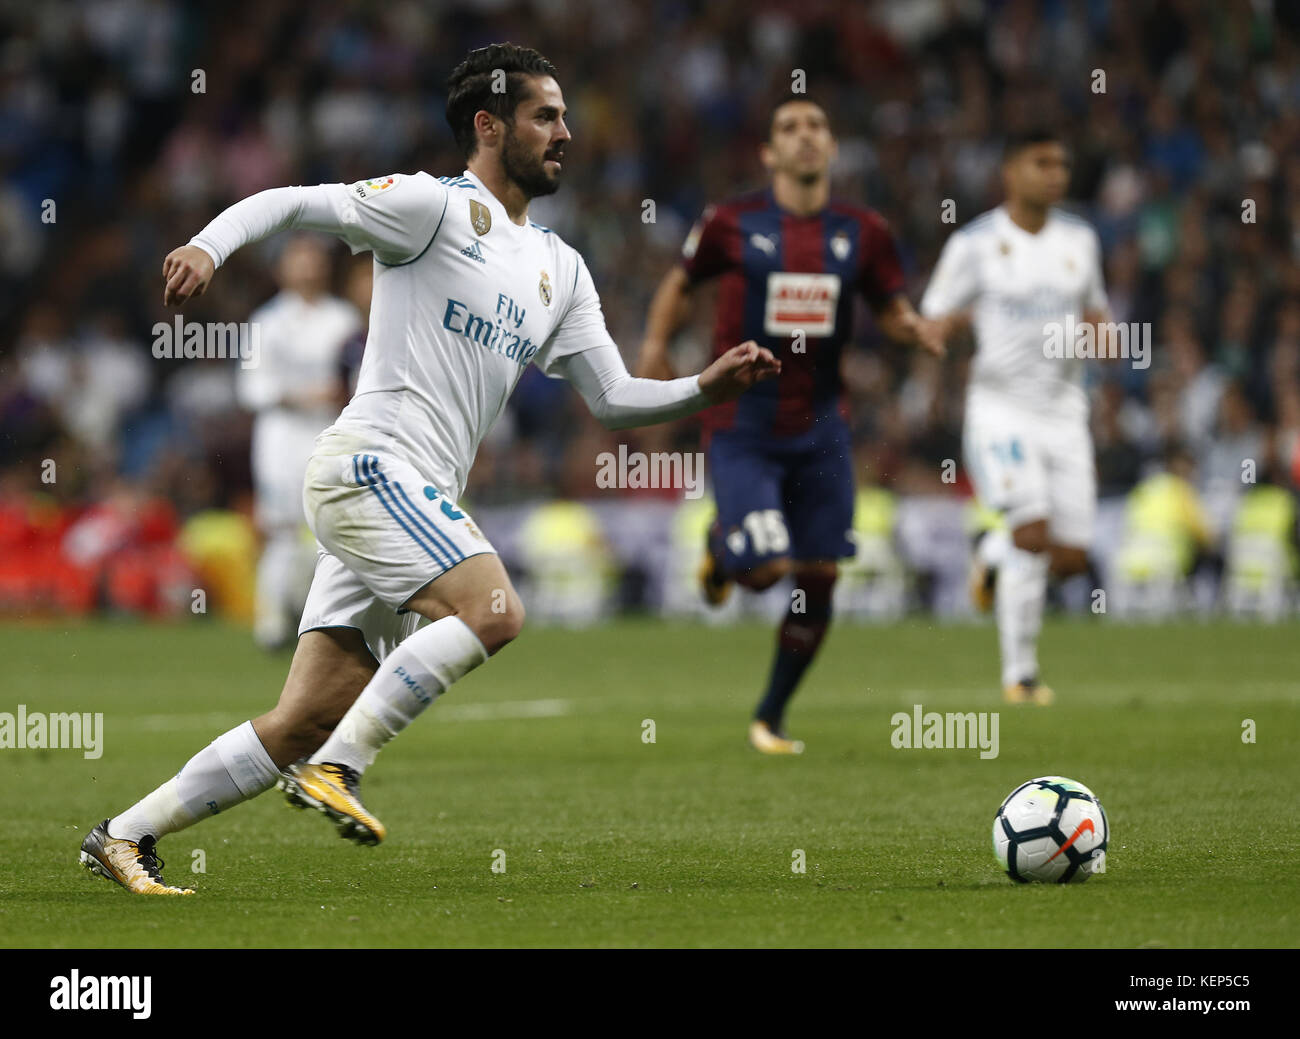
(748, 544)
(417, 552)
(284, 568)
(329, 669)
(1009, 469)
(817, 502)
(475, 612)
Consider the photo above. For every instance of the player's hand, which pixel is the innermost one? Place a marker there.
(186, 273)
(737, 370)
(931, 336)
(653, 363)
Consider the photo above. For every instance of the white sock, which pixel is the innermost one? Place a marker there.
(415, 674)
(993, 547)
(232, 768)
(1022, 590)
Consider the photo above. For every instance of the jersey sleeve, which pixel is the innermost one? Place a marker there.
(583, 325)
(709, 249)
(1095, 297)
(953, 283)
(395, 217)
(880, 275)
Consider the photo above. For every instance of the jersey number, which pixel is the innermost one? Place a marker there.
(767, 533)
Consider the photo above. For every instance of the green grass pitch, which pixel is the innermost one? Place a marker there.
(609, 840)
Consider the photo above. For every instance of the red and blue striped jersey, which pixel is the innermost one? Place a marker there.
(787, 282)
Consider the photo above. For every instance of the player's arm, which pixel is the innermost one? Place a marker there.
(953, 288)
(708, 250)
(669, 310)
(880, 282)
(395, 222)
(1096, 304)
(620, 401)
(580, 350)
(898, 320)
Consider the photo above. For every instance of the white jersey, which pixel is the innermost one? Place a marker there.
(1020, 285)
(300, 345)
(463, 300)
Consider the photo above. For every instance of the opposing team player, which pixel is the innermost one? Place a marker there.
(295, 392)
(408, 595)
(790, 260)
(1024, 275)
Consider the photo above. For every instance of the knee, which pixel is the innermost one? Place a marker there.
(499, 623)
(765, 574)
(1067, 561)
(290, 735)
(1032, 537)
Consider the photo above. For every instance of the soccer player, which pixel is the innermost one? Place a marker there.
(294, 389)
(408, 594)
(1020, 274)
(789, 260)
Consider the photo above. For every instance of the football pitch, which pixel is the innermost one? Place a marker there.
(529, 807)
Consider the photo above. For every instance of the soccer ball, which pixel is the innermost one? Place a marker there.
(1051, 830)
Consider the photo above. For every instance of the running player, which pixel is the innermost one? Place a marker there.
(294, 390)
(789, 260)
(408, 595)
(1021, 274)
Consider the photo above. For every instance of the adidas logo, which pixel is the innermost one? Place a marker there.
(474, 252)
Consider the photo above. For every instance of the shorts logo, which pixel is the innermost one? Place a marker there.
(480, 217)
(544, 289)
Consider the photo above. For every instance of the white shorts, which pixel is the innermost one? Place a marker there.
(385, 532)
(282, 444)
(1030, 467)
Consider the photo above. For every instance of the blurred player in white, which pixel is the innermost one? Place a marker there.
(1016, 273)
(408, 594)
(295, 390)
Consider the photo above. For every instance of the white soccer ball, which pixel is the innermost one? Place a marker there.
(1051, 830)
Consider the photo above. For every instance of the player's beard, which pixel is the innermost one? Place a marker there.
(527, 170)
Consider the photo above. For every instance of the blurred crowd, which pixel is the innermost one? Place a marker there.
(125, 125)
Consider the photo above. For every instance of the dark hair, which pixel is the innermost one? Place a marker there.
(788, 98)
(469, 87)
(1019, 141)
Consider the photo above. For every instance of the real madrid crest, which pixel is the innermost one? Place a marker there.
(544, 289)
(1004, 248)
(480, 217)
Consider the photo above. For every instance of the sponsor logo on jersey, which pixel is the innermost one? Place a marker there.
(544, 289)
(495, 332)
(474, 252)
(480, 217)
(801, 303)
(841, 245)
